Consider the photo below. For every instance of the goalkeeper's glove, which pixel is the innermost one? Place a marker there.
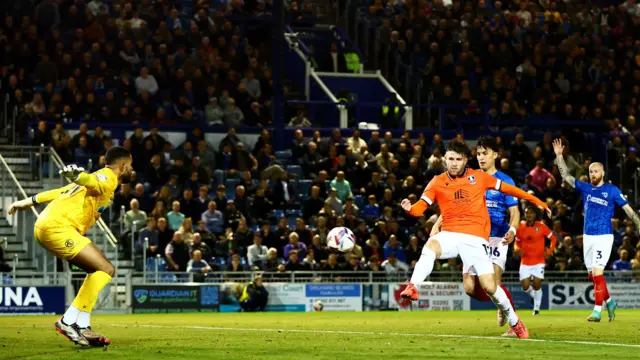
(21, 204)
(71, 172)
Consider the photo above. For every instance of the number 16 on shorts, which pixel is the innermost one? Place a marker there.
(491, 251)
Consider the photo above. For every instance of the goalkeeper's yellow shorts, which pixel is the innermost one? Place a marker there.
(64, 243)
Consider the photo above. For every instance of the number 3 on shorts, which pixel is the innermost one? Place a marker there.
(599, 256)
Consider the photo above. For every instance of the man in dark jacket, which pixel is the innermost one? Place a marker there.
(254, 296)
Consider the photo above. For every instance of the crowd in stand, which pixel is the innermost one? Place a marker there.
(228, 206)
(528, 60)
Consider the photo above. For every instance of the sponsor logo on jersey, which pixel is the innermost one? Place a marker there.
(596, 200)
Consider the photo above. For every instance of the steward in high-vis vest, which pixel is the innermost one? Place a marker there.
(352, 59)
(254, 296)
(390, 113)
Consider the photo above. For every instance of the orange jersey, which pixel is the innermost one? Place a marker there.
(462, 201)
(531, 239)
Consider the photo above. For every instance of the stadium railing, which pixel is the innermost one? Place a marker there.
(162, 277)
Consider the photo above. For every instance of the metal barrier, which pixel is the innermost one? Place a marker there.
(157, 276)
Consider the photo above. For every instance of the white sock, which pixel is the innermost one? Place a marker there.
(502, 301)
(597, 308)
(530, 291)
(537, 299)
(84, 319)
(424, 266)
(71, 315)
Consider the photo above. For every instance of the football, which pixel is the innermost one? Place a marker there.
(318, 305)
(341, 239)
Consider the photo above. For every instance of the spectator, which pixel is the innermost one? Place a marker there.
(623, 263)
(134, 217)
(202, 247)
(175, 217)
(392, 246)
(146, 82)
(150, 233)
(371, 211)
(540, 175)
(342, 186)
(213, 219)
(394, 266)
(186, 230)
(177, 254)
(242, 236)
(257, 253)
(235, 265)
(198, 265)
(294, 244)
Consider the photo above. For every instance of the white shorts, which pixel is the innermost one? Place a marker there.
(470, 248)
(497, 253)
(529, 271)
(597, 250)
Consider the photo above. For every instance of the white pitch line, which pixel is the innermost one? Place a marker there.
(372, 333)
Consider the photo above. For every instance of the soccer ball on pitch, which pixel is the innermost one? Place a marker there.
(318, 305)
(341, 239)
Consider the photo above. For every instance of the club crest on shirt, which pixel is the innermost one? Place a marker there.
(472, 179)
(605, 195)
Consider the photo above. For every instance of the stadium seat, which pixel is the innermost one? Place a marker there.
(255, 228)
(277, 213)
(360, 203)
(291, 221)
(294, 212)
(304, 186)
(231, 187)
(218, 177)
(296, 170)
(283, 155)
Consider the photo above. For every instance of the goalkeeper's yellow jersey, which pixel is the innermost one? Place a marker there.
(79, 204)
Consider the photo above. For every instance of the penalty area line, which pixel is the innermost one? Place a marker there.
(373, 333)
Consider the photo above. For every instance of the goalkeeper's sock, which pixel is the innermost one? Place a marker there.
(502, 302)
(71, 315)
(84, 320)
(424, 267)
(88, 294)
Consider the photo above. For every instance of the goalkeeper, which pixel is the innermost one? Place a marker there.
(61, 227)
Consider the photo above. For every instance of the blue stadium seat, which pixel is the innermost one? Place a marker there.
(360, 203)
(304, 186)
(255, 228)
(291, 220)
(296, 170)
(283, 155)
(294, 212)
(218, 177)
(277, 214)
(231, 187)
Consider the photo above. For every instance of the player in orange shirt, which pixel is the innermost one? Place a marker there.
(530, 246)
(460, 193)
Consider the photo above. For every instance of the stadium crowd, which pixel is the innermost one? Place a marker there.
(528, 60)
(227, 206)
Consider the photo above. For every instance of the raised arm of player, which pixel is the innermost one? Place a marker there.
(521, 194)
(40, 198)
(558, 148)
(632, 215)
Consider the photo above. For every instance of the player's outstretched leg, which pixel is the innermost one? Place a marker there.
(100, 272)
(502, 302)
(423, 268)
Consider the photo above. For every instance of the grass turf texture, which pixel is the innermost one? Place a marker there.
(367, 335)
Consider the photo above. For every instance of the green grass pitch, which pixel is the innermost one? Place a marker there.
(367, 335)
